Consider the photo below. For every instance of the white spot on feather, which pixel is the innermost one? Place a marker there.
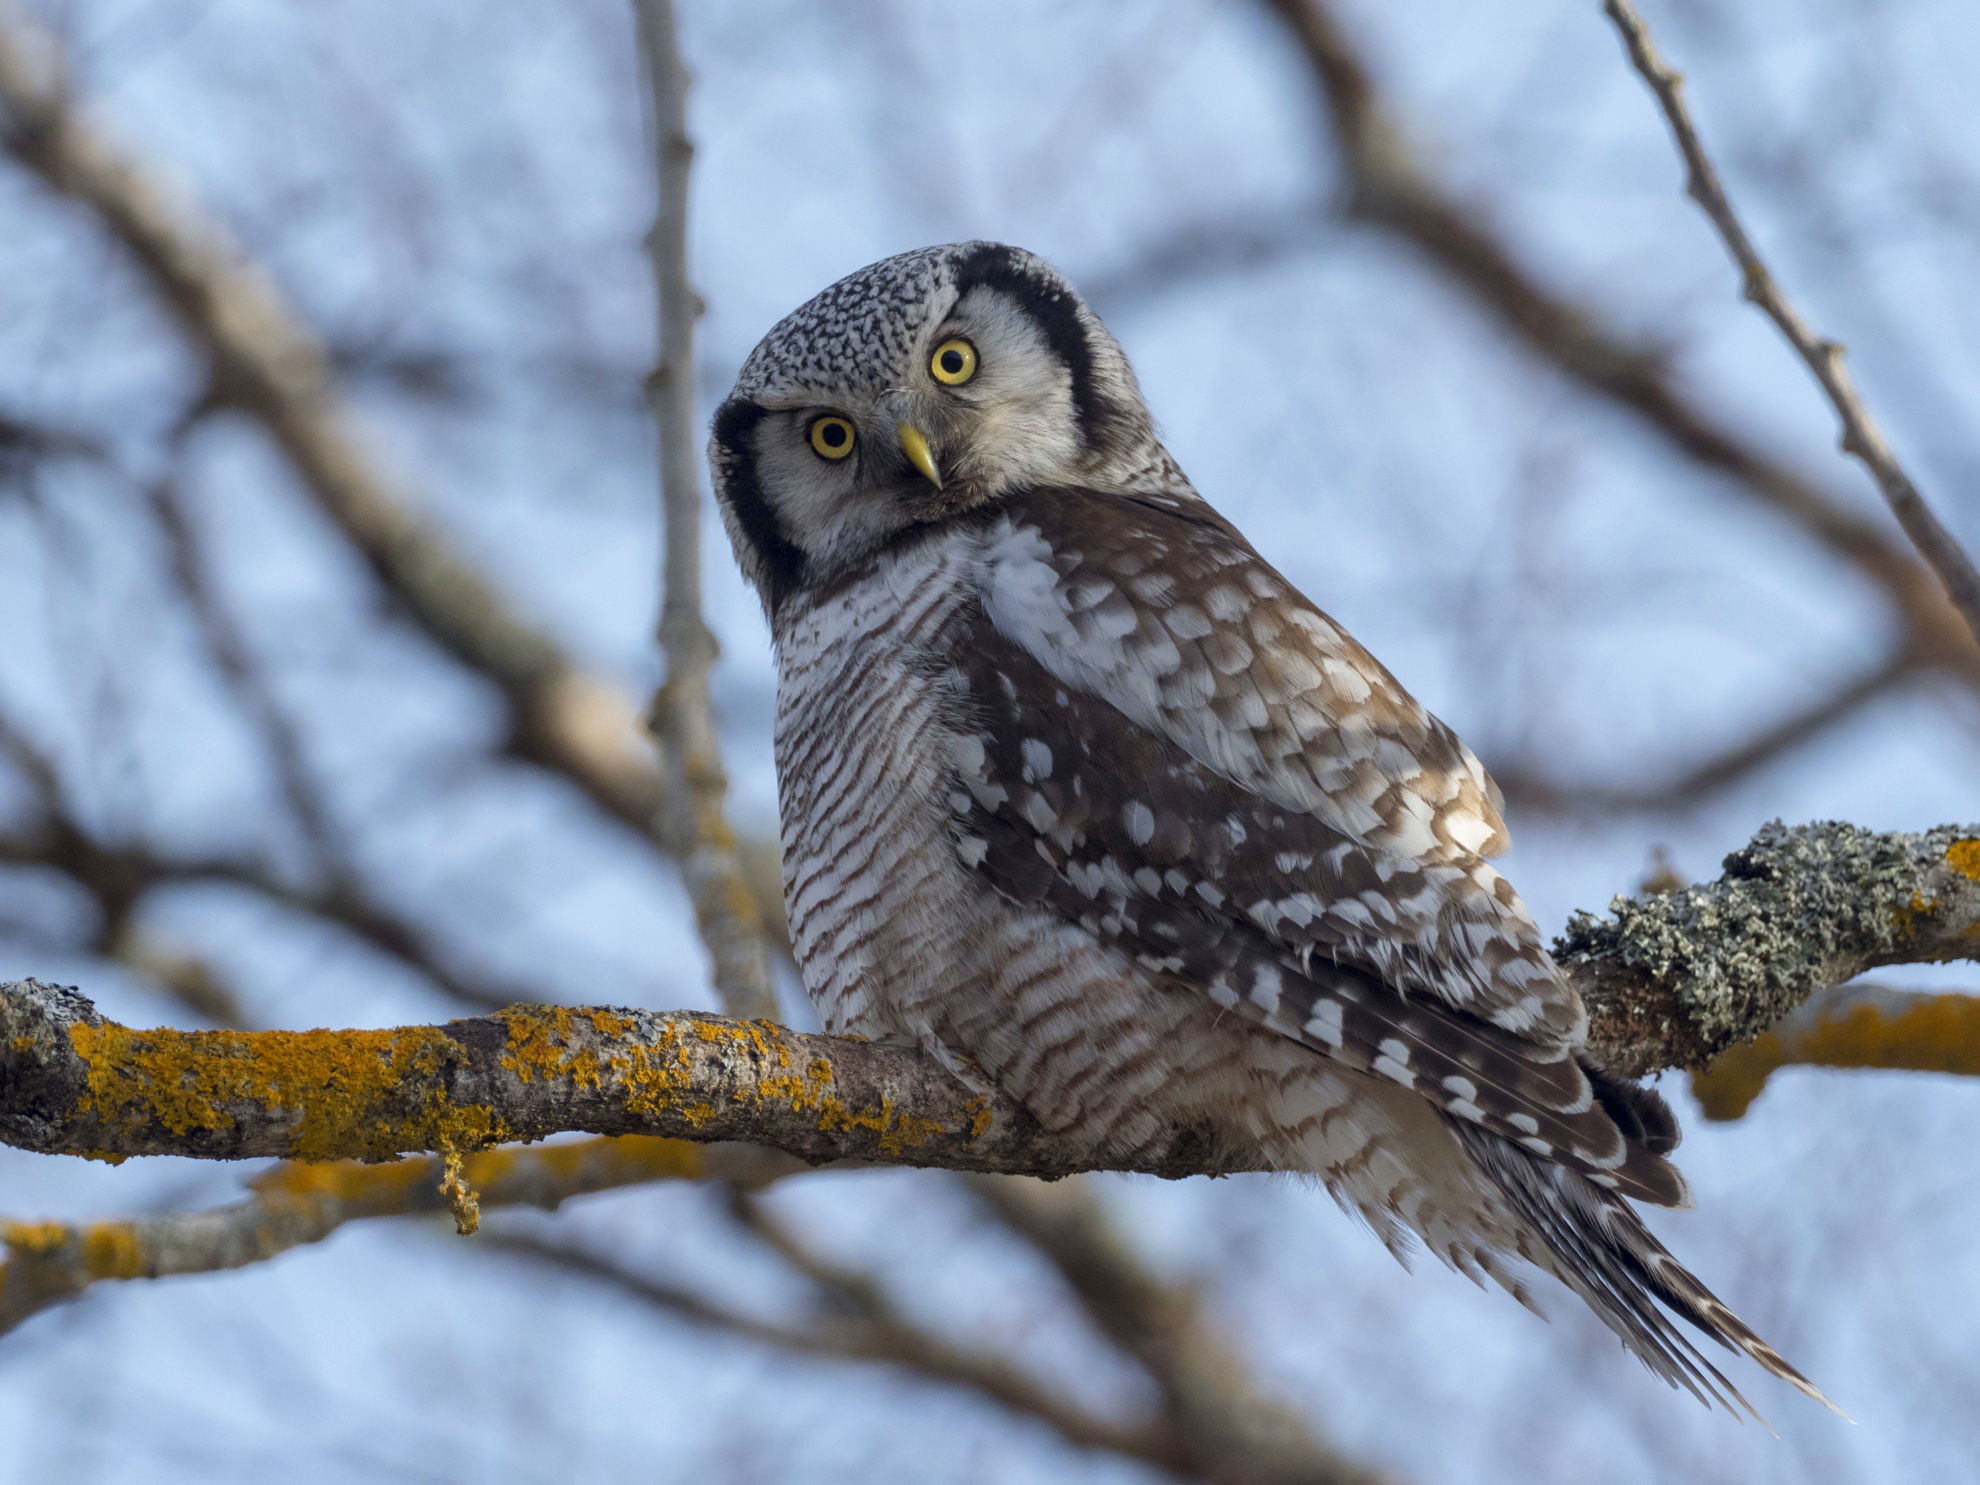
(1266, 986)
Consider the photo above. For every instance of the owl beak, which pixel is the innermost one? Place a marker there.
(914, 443)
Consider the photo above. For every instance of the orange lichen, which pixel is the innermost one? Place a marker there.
(112, 1250)
(371, 1095)
(34, 1238)
(107, 1250)
(980, 1117)
(1940, 1033)
(1906, 918)
(1963, 856)
(340, 1092)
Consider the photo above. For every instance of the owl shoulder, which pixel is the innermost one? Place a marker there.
(1159, 605)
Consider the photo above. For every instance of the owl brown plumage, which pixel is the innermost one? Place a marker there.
(1079, 791)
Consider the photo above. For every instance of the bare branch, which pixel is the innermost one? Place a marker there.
(1389, 188)
(236, 663)
(1861, 434)
(1670, 981)
(1226, 1428)
(856, 1322)
(119, 875)
(1533, 792)
(267, 362)
(1861, 1026)
(51, 1262)
(694, 824)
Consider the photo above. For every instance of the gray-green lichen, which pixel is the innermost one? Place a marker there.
(1797, 909)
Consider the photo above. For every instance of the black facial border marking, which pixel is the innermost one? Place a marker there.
(1056, 312)
(779, 561)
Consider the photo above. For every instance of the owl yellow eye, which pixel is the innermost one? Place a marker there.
(831, 437)
(953, 363)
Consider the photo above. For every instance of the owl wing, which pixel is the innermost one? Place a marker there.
(1159, 780)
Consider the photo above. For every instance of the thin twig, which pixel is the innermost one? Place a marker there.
(910, 1349)
(236, 663)
(693, 819)
(1230, 1430)
(46, 1263)
(1390, 188)
(119, 875)
(1861, 435)
(1535, 793)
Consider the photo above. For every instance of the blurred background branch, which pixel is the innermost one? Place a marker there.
(1388, 187)
(693, 815)
(1861, 435)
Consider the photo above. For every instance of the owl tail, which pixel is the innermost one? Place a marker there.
(1596, 1244)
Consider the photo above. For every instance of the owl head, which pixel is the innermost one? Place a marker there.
(918, 389)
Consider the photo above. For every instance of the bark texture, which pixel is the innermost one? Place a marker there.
(1670, 979)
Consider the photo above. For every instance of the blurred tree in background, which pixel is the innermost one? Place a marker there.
(329, 559)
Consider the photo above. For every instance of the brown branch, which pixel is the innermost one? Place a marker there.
(1670, 981)
(235, 661)
(1851, 1026)
(118, 876)
(1535, 793)
(47, 1263)
(694, 823)
(857, 1323)
(265, 361)
(1861, 434)
(1388, 187)
(1225, 1428)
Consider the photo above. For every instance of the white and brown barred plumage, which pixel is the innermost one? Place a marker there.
(1079, 791)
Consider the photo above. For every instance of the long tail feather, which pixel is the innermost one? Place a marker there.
(1594, 1241)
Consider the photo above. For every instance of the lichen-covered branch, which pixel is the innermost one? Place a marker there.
(693, 820)
(1861, 434)
(72, 1082)
(1670, 981)
(1860, 1026)
(1388, 186)
(46, 1263)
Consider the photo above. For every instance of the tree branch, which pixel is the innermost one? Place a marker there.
(1861, 434)
(1536, 793)
(267, 362)
(694, 824)
(1670, 981)
(232, 656)
(48, 1263)
(861, 1336)
(1673, 979)
(1388, 187)
(1861, 1026)
(1225, 1427)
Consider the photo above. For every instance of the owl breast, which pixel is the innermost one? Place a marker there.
(899, 938)
(863, 741)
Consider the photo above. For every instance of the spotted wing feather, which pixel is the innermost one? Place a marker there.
(1164, 611)
(1064, 802)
